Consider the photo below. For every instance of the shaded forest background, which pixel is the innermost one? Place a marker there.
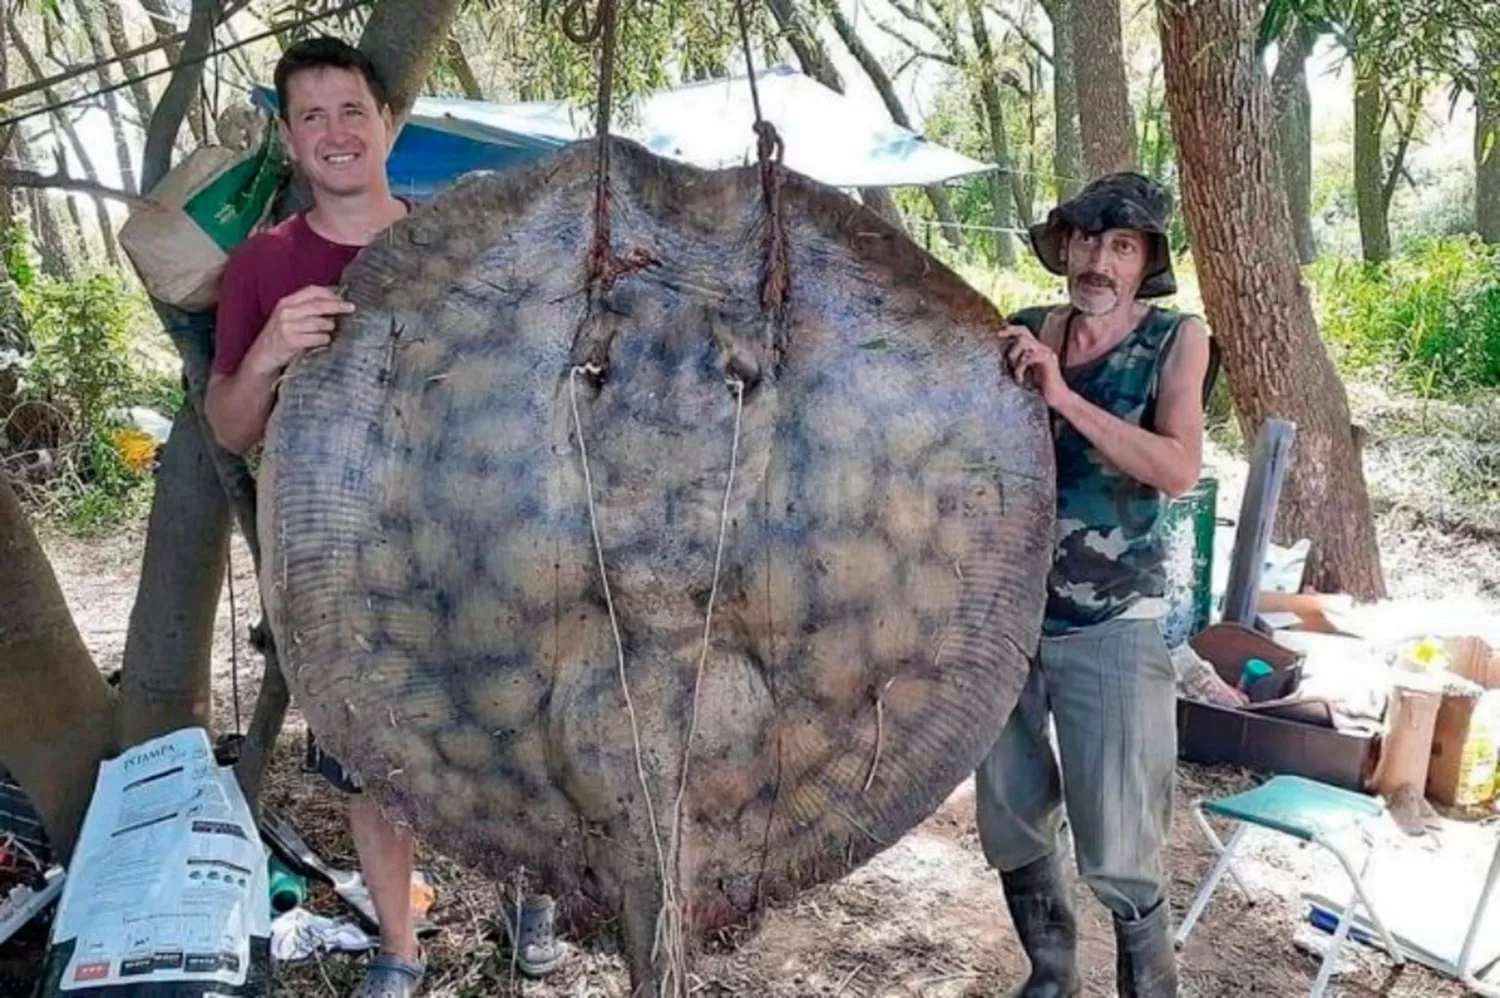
(1396, 169)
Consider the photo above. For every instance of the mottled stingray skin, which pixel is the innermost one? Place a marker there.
(432, 578)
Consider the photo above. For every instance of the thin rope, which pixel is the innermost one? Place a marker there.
(964, 226)
(234, 645)
(769, 151)
(668, 885)
(708, 619)
(580, 30)
(713, 590)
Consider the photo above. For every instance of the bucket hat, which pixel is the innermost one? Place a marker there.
(1116, 201)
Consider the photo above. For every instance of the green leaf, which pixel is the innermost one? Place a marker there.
(879, 344)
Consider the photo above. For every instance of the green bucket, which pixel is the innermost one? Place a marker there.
(1187, 532)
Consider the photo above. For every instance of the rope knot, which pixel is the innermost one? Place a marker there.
(768, 145)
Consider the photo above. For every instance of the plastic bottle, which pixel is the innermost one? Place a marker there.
(1480, 756)
(288, 888)
(1255, 669)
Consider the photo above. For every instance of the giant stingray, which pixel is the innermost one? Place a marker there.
(675, 603)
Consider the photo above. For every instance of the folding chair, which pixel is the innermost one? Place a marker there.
(1310, 812)
(1465, 968)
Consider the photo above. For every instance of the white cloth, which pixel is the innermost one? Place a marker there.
(299, 934)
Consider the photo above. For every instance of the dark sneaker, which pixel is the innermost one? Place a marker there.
(532, 940)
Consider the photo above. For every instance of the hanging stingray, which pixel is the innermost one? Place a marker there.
(682, 567)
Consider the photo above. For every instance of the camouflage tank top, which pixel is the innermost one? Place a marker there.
(1109, 554)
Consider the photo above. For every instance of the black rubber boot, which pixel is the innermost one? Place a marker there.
(1145, 962)
(1037, 897)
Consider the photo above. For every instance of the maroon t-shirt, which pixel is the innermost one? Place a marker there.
(263, 270)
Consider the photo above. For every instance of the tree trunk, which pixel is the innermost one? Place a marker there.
(1001, 193)
(1067, 141)
(1369, 172)
(805, 44)
(13, 332)
(166, 680)
(111, 98)
(1294, 137)
(815, 62)
(1256, 302)
(75, 237)
(942, 205)
(80, 152)
(119, 41)
(50, 244)
(56, 713)
(453, 54)
(164, 25)
(1487, 148)
(1105, 122)
(182, 90)
(1023, 182)
(403, 39)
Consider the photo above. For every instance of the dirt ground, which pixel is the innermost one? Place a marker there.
(923, 920)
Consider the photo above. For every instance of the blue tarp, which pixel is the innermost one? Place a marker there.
(841, 141)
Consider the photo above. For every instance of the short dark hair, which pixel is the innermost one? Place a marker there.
(326, 52)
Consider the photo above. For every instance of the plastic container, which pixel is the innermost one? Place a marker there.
(1187, 532)
(288, 888)
(1480, 758)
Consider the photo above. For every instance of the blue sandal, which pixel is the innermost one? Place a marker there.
(390, 976)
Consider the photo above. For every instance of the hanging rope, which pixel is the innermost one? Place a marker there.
(669, 945)
(602, 265)
(769, 150)
(669, 949)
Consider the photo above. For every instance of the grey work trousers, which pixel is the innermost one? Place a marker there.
(1112, 691)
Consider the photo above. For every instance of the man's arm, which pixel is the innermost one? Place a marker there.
(1170, 457)
(239, 404)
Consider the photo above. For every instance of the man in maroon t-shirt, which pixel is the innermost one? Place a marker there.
(277, 302)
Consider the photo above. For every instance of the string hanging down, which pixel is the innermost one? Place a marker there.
(769, 151)
(602, 265)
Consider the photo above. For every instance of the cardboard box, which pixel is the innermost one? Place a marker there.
(1216, 735)
(1476, 661)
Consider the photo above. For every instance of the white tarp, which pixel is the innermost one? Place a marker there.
(168, 880)
(832, 138)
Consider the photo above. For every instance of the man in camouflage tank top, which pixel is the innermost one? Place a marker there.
(1123, 380)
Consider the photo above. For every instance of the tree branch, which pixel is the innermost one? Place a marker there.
(917, 51)
(806, 44)
(458, 61)
(15, 177)
(917, 17)
(166, 120)
(1021, 31)
(1398, 160)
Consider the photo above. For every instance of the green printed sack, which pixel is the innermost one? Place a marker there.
(208, 204)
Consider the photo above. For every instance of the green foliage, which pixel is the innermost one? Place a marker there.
(20, 263)
(659, 44)
(112, 490)
(1427, 322)
(82, 333)
(92, 356)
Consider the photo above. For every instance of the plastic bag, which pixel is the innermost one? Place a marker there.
(207, 205)
(167, 893)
